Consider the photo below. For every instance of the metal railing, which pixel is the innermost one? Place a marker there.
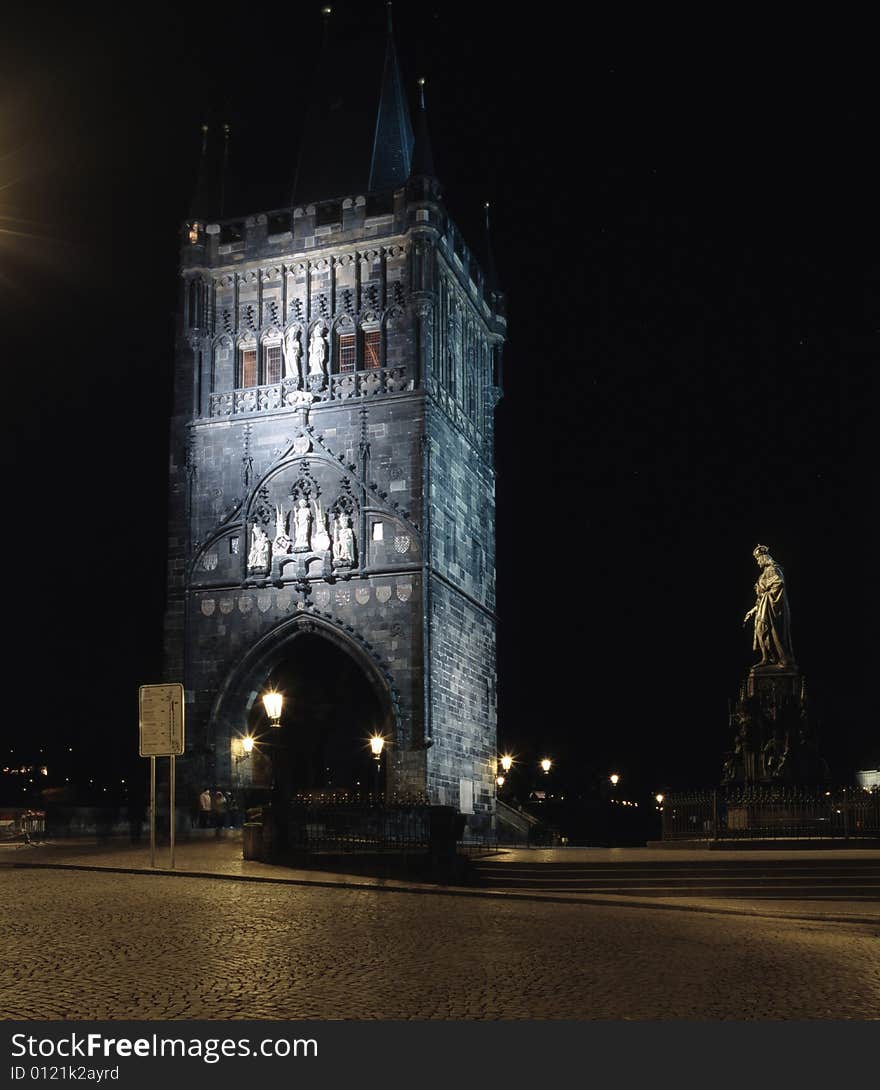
(772, 812)
(24, 824)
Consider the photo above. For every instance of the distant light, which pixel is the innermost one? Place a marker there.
(247, 743)
(499, 780)
(615, 779)
(546, 764)
(506, 762)
(659, 799)
(377, 744)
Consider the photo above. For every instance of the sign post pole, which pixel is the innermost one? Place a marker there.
(171, 786)
(152, 811)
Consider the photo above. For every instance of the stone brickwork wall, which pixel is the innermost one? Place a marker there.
(340, 353)
(462, 655)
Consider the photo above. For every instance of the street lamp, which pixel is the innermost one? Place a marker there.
(506, 762)
(242, 748)
(273, 703)
(377, 744)
(499, 780)
(614, 778)
(546, 765)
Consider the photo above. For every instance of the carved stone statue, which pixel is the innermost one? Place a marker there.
(772, 617)
(343, 542)
(302, 522)
(292, 354)
(258, 557)
(317, 351)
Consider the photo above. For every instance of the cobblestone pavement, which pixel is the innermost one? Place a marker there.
(77, 944)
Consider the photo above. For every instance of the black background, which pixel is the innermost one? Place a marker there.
(684, 221)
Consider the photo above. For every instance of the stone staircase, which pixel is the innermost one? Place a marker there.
(803, 879)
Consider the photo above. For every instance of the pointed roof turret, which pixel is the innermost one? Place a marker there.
(201, 206)
(393, 141)
(422, 156)
(491, 276)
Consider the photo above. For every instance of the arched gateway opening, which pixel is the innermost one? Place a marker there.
(335, 698)
(330, 711)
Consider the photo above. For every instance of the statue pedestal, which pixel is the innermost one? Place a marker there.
(774, 741)
(781, 682)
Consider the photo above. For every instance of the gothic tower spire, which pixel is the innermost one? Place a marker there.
(202, 204)
(393, 141)
(422, 156)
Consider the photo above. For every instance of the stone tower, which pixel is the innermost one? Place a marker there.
(332, 486)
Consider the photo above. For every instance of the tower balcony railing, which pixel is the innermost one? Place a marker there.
(290, 393)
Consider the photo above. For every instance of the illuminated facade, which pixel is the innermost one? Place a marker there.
(332, 485)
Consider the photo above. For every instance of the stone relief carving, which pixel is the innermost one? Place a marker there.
(320, 537)
(282, 542)
(258, 557)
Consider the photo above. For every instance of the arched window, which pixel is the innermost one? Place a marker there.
(372, 348)
(247, 369)
(272, 363)
(346, 353)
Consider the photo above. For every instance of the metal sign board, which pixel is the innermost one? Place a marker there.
(161, 720)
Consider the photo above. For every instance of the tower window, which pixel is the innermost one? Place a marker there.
(248, 367)
(346, 353)
(273, 363)
(371, 348)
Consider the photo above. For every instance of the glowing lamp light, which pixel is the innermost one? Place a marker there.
(273, 703)
(614, 778)
(499, 780)
(377, 744)
(506, 762)
(546, 764)
(659, 799)
(247, 743)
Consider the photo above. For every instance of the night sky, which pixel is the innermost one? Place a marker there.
(685, 224)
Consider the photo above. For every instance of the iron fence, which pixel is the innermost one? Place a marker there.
(18, 823)
(353, 827)
(772, 812)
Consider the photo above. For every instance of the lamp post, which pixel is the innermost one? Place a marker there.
(377, 744)
(273, 702)
(242, 751)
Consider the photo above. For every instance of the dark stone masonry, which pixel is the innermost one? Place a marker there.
(337, 372)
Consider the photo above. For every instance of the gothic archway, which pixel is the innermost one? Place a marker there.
(330, 711)
(335, 698)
